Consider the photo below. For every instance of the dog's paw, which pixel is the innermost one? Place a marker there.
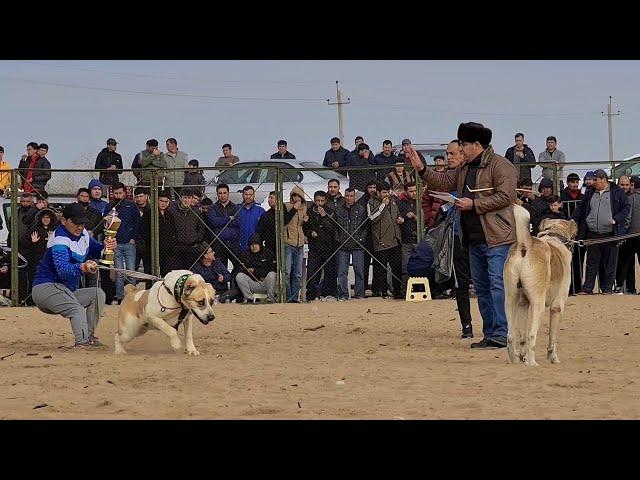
(176, 344)
(531, 363)
(193, 352)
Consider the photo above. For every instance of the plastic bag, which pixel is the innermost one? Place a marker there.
(442, 242)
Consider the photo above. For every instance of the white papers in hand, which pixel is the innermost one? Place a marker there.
(446, 196)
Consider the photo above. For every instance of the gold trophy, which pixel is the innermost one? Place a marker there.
(111, 225)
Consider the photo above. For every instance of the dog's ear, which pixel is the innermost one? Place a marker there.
(573, 228)
(189, 287)
(210, 290)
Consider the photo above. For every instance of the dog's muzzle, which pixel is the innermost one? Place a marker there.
(209, 318)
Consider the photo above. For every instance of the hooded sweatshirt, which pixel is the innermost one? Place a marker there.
(99, 205)
(293, 219)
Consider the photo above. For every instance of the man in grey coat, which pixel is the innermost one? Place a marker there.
(175, 159)
(555, 156)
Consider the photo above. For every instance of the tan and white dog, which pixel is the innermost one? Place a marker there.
(178, 298)
(537, 274)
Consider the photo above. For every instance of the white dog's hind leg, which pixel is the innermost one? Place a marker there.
(521, 328)
(552, 349)
(129, 332)
(169, 331)
(188, 326)
(511, 309)
(537, 311)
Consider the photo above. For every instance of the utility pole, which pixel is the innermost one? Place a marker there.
(609, 121)
(339, 103)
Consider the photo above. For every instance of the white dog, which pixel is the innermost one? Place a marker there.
(537, 273)
(176, 299)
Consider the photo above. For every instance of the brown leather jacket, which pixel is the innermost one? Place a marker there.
(494, 207)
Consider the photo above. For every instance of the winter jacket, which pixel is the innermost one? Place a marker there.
(130, 218)
(494, 207)
(408, 229)
(339, 156)
(210, 274)
(430, 209)
(293, 220)
(537, 209)
(40, 177)
(248, 219)
(323, 227)
(5, 176)
(195, 180)
(266, 228)
(529, 157)
(188, 225)
(99, 205)
(334, 202)
(397, 182)
(358, 179)
(180, 160)
(106, 159)
(555, 156)
(384, 226)
(634, 220)
(619, 210)
(150, 161)
(386, 164)
(287, 156)
(351, 233)
(262, 262)
(227, 230)
(570, 203)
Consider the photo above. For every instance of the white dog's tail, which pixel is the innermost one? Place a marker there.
(523, 235)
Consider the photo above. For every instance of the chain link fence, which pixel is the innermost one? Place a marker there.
(256, 230)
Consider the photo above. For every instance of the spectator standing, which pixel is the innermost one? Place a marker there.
(369, 193)
(319, 230)
(601, 214)
(96, 202)
(166, 233)
(248, 216)
(151, 158)
(626, 271)
(174, 158)
(336, 156)
(36, 170)
(385, 161)
(351, 236)
(189, 245)
(487, 220)
(228, 159)
(109, 159)
(540, 204)
(267, 224)
(589, 179)
(283, 153)
(294, 217)
(36, 243)
(225, 227)
(555, 156)
(194, 178)
(398, 178)
(125, 253)
(440, 164)
(408, 229)
(571, 197)
(26, 165)
(358, 178)
(554, 211)
(334, 197)
(5, 174)
(93, 216)
(385, 219)
(143, 248)
(521, 153)
(403, 156)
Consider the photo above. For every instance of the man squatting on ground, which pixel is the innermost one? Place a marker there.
(55, 287)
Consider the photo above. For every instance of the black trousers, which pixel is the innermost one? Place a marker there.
(577, 274)
(393, 258)
(462, 271)
(608, 252)
(317, 272)
(626, 270)
(367, 263)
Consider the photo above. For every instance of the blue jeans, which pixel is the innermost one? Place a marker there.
(343, 271)
(293, 257)
(487, 265)
(125, 257)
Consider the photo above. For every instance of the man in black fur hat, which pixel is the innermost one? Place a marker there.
(486, 188)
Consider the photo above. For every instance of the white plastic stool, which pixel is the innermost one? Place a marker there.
(413, 296)
(259, 296)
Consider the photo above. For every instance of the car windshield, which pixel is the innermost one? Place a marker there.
(322, 172)
(233, 176)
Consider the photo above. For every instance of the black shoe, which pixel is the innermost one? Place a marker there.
(467, 331)
(484, 343)
(498, 342)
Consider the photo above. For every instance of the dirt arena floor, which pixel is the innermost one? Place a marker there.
(370, 359)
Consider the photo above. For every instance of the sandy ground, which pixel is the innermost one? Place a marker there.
(372, 359)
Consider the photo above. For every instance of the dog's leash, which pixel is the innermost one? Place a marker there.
(131, 273)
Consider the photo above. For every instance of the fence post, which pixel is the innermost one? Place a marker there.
(419, 213)
(15, 275)
(280, 254)
(155, 228)
(556, 184)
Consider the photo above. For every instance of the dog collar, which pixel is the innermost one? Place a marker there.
(567, 242)
(178, 288)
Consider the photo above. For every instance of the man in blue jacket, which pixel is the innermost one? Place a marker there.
(96, 202)
(602, 213)
(55, 287)
(336, 156)
(222, 218)
(248, 216)
(125, 256)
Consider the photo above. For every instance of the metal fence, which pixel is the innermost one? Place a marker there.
(183, 232)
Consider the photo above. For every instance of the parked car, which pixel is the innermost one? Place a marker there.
(263, 178)
(428, 150)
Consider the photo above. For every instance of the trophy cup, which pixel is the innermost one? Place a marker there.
(111, 225)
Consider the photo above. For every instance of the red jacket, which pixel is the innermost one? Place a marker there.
(430, 208)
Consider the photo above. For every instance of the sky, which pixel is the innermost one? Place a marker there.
(74, 106)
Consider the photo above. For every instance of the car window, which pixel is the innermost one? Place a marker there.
(232, 176)
(266, 175)
(322, 171)
(292, 176)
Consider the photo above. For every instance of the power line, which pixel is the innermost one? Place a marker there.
(169, 77)
(166, 94)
